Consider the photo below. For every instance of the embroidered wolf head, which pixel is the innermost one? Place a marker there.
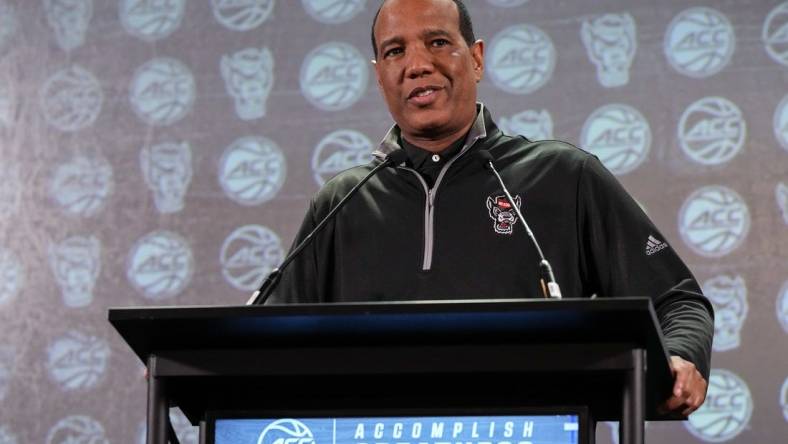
(503, 215)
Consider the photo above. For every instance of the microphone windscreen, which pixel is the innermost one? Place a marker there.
(396, 157)
(484, 157)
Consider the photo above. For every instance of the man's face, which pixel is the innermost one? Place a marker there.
(425, 69)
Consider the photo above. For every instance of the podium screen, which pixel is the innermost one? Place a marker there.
(520, 429)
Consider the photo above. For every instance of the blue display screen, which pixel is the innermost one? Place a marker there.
(530, 429)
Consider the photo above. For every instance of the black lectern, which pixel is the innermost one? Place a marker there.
(604, 357)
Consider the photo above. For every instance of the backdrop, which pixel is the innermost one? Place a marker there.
(162, 152)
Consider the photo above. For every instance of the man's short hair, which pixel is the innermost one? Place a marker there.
(466, 26)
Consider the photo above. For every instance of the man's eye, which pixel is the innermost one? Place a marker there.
(392, 52)
(440, 42)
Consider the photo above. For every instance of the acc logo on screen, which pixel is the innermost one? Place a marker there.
(619, 135)
(775, 34)
(712, 131)
(727, 409)
(252, 170)
(69, 19)
(242, 15)
(76, 263)
(11, 191)
(782, 306)
(714, 221)
(249, 76)
(610, 42)
(507, 3)
(151, 20)
(781, 194)
(12, 276)
(248, 255)
(160, 265)
(699, 42)
(81, 186)
(71, 99)
(338, 151)
(784, 399)
(6, 437)
(531, 123)
(77, 361)
(333, 12)
(523, 58)
(77, 429)
(728, 295)
(162, 91)
(781, 122)
(167, 169)
(333, 76)
(8, 25)
(286, 431)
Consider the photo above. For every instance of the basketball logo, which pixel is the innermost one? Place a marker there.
(610, 42)
(533, 124)
(242, 15)
(77, 429)
(333, 76)
(69, 20)
(286, 430)
(522, 59)
(10, 192)
(151, 20)
(81, 186)
(619, 135)
(249, 76)
(699, 42)
(727, 410)
(712, 131)
(507, 3)
(714, 221)
(782, 306)
(71, 99)
(775, 34)
(11, 276)
(160, 265)
(5, 436)
(8, 25)
(167, 169)
(77, 361)
(728, 295)
(252, 170)
(162, 91)
(784, 399)
(781, 122)
(339, 151)
(76, 263)
(333, 12)
(6, 105)
(248, 255)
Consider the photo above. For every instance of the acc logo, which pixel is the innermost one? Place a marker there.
(533, 124)
(699, 42)
(242, 15)
(286, 431)
(501, 212)
(6, 437)
(523, 58)
(784, 399)
(160, 265)
(71, 99)
(712, 131)
(727, 409)
(781, 193)
(8, 24)
(77, 429)
(781, 122)
(81, 186)
(619, 135)
(728, 295)
(333, 12)
(151, 20)
(333, 76)
(167, 168)
(76, 263)
(252, 170)
(714, 221)
(162, 91)
(782, 307)
(10, 192)
(6, 103)
(77, 361)
(775, 34)
(610, 42)
(339, 151)
(248, 255)
(11, 276)
(248, 76)
(69, 19)
(507, 3)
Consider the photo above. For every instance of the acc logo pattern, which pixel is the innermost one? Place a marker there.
(611, 42)
(252, 170)
(333, 12)
(77, 429)
(339, 151)
(784, 399)
(167, 169)
(714, 221)
(533, 124)
(248, 255)
(781, 195)
(712, 131)
(71, 99)
(69, 19)
(162, 91)
(151, 20)
(619, 135)
(81, 186)
(781, 122)
(6, 437)
(11, 276)
(242, 15)
(249, 76)
(10, 192)
(782, 306)
(699, 42)
(728, 295)
(522, 58)
(283, 429)
(160, 265)
(76, 263)
(334, 76)
(727, 410)
(77, 361)
(775, 34)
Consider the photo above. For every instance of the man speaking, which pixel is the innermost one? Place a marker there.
(433, 222)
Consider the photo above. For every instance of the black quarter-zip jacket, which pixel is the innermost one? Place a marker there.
(401, 239)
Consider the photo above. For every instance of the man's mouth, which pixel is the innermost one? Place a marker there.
(423, 95)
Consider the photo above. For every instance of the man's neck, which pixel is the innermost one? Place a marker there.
(436, 145)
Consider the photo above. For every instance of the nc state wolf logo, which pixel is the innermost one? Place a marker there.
(503, 215)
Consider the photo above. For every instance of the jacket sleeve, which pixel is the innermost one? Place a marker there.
(623, 254)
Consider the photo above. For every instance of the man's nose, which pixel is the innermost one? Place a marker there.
(419, 63)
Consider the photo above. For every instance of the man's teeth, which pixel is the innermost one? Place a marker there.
(426, 92)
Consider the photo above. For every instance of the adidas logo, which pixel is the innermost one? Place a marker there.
(653, 245)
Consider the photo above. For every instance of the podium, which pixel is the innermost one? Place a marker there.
(604, 358)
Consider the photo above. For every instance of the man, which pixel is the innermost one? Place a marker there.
(438, 226)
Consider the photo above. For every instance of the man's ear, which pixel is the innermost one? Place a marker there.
(477, 53)
(376, 67)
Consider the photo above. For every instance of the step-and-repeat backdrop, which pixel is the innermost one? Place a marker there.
(162, 152)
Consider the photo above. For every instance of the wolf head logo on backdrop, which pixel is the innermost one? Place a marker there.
(611, 42)
(503, 215)
(69, 19)
(167, 169)
(249, 75)
(76, 263)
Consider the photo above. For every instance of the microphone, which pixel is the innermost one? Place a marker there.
(269, 284)
(550, 288)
